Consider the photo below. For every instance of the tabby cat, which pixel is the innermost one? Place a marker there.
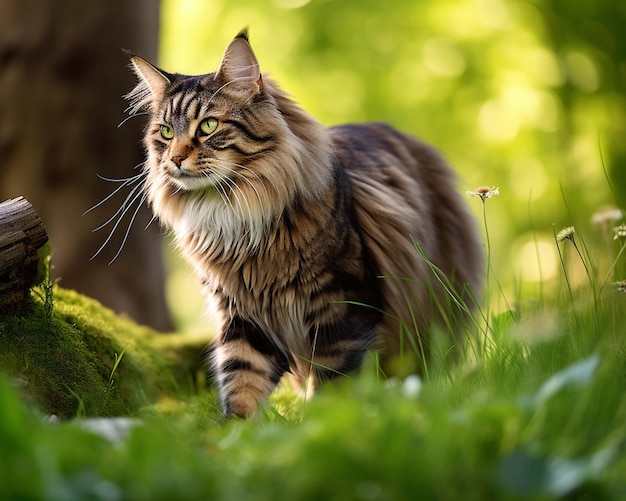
(292, 227)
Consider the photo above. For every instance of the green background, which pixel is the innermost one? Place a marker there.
(528, 96)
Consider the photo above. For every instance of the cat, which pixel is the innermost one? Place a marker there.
(293, 227)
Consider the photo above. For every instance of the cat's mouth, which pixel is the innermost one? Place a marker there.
(191, 181)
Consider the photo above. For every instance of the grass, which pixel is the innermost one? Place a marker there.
(72, 356)
(535, 409)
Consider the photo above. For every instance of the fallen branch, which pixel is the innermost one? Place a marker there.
(22, 234)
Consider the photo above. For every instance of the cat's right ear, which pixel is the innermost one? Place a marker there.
(240, 65)
(152, 81)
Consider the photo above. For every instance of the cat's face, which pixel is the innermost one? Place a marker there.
(203, 134)
(205, 131)
(227, 147)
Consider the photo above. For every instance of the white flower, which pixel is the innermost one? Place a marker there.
(483, 192)
(607, 214)
(620, 231)
(621, 285)
(565, 233)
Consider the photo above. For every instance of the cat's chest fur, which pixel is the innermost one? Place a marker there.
(286, 275)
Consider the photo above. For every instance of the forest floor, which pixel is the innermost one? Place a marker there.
(95, 407)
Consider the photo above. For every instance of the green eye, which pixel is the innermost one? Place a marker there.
(208, 126)
(167, 132)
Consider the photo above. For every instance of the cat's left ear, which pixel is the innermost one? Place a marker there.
(155, 80)
(239, 64)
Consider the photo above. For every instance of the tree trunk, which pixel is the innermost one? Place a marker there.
(62, 78)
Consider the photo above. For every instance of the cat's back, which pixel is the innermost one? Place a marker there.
(378, 147)
(396, 175)
(403, 194)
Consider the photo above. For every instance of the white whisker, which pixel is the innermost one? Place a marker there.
(140, 164)
(241, 200)
(222, 191)
(250, 183)
(132, 115)
(123, 208)
(152, 219)
(125, 182)
(218, 91)
(127, 205)
(177, 190)
(233, 81)
(130, 224)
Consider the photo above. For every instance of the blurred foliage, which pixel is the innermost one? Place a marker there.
(528, 96)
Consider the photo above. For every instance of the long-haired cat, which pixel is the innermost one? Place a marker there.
(293, 227)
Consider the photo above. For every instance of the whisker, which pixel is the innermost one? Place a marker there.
(236, 191)
(223, 181)
(122, 207)
(240, 196)
(221, 190)
(234, 80)
(130, 224)
(242, 200)
(119, 220)
(123, 179)
(218, 91)
(152, 219)
(127, 182)
(132, 115)
(245, 178)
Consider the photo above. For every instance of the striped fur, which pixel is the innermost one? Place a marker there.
(290, 226)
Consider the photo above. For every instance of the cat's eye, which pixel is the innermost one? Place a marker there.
(208, 126)
(167, 132)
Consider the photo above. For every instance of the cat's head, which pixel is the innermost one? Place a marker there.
(230, 137)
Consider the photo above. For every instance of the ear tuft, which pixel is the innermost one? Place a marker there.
(244, 34)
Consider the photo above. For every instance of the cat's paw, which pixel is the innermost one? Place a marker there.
(240, 406)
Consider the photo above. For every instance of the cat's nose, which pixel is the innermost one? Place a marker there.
(178, 159)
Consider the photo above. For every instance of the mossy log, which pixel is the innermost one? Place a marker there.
(70, 355)
(75, 357)
(22, 234)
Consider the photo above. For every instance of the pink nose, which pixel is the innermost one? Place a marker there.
(178, 159)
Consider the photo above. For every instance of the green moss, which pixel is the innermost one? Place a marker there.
(83, 359)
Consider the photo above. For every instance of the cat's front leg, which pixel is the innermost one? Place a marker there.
(247, 366)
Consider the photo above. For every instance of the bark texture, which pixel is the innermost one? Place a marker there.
(63, 75)
(22, 234)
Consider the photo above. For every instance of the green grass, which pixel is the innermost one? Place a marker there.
(535, 409)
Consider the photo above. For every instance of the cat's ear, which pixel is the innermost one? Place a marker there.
(153, 79)
(239, 64)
